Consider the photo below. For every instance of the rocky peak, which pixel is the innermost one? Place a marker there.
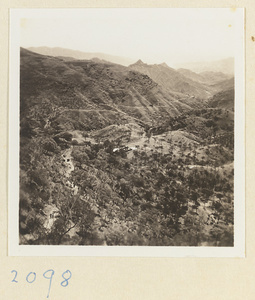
(138, 63)
(164, 65)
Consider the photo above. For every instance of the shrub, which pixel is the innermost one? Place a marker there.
(50, 145)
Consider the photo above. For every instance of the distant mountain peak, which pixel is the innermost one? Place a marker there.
(139, 62)
(164, 65)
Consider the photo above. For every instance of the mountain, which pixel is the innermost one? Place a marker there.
(63, 52)
(173, 80)
(108, 156)
(214, 77)
(191, 75)
(226, 66)
(224, 85)
(208, 78)
(98, 91)
(224, 100)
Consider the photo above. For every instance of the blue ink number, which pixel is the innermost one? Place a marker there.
(50, 278)
(31, 281)
(31, 277)
(65, 283)
(16, 274)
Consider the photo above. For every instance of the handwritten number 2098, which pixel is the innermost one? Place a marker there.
(31, 277)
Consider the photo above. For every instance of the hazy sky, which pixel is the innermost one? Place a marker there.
(153, 35)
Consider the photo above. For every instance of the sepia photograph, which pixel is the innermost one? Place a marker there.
(128, 128)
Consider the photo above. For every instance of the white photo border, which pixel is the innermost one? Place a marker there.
(14, 249)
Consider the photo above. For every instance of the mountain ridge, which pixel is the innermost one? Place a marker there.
(119, 89)
(172, 79)
(223, 65)
(77, 54)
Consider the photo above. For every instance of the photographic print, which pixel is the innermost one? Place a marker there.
(129, 128)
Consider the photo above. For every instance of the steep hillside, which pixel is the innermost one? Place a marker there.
(225, 100)
(224, 85)
(173, 80)
(101, 93)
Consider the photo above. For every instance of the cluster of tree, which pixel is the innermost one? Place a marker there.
(113, 188)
